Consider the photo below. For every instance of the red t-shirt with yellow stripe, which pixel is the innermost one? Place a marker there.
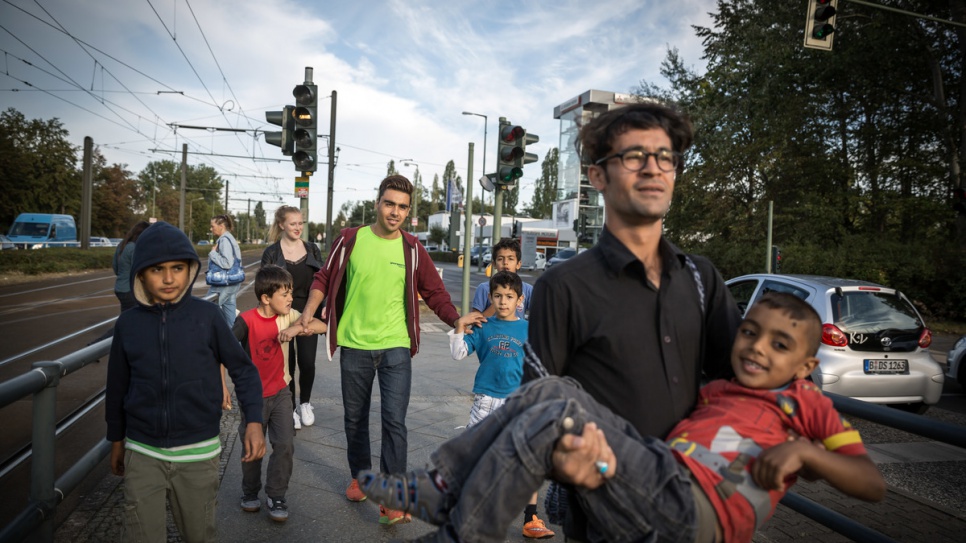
(730, 419)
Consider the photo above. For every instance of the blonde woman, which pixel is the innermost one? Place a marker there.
(302, 260)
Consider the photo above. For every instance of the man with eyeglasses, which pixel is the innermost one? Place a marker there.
(636, 321)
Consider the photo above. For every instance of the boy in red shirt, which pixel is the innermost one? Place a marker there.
(264, 332)
(717, 478)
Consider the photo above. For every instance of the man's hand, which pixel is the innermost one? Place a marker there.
(117, 458)
(254, 442)
(575, 458)
(465, 323)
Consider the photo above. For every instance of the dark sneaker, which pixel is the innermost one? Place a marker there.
(277, 509)
(413, 492)
(536, 529)
(251, 503)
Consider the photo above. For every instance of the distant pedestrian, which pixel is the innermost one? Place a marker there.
(121, 263)
(498, 343)
(302, 259)
(372, 281)
(163, 400)
(265, 333)
(224, 254)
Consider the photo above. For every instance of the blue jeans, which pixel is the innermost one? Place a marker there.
(395, 370)
(226, 301)
(495, 467)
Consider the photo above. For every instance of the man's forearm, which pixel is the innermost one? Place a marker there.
(313, 303)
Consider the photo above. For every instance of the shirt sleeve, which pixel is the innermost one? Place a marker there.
(222, 255)
(550, 328)
(457, 345)
(481, 297)
(721, 322)
(822, 421)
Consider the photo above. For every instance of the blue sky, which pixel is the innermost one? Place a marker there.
(404, 72)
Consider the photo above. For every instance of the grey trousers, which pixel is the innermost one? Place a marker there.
(280, 427)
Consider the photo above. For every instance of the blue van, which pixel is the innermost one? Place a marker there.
(37, 230)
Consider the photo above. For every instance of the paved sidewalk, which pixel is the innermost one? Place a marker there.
(441, 399)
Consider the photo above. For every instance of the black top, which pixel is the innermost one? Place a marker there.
(302, 271)
(635, 348)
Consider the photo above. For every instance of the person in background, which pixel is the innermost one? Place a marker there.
(634, 292)
(372, 281)
(302, 259)
(264, 332)
(121, 263)
(161, 402)
(223, 253)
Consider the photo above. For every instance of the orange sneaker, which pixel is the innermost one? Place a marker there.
(536, 529)
(392, 516)
(354, 493)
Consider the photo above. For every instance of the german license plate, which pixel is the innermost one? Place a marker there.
(877, 366)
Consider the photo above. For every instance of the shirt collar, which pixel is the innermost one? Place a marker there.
(618, 257)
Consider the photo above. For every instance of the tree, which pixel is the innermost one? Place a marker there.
(160, 189)
(545, 188)
(38, 168)
(438, 196)
(450, 173)
(391, 168)
(112, 199)
(260, 226)
(437, 235)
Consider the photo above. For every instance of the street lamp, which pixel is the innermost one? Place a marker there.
(483, 195)
(416, 194)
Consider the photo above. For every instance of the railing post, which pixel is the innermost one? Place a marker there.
(42, 476)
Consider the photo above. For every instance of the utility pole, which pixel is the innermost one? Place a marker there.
(331, 187)
(87, 189)
(468, 236)
(184, 182)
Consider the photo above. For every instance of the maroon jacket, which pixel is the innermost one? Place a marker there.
(421, 280)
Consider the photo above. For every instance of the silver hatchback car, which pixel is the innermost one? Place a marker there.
(875, 346)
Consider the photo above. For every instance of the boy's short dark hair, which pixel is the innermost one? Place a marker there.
(797, 309)
(597, 136)
(270, 279)
(506, 279)
(508, 244)
(395, 182)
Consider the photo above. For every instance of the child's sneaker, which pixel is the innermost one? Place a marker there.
(277, 509)
(536, 529)
(298, 423)
(414, 492)
(251, 503)
(392, 516)
(305, 412)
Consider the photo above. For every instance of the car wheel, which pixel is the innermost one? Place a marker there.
(917, 408)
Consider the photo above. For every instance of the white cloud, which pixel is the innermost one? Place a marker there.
(404, 72)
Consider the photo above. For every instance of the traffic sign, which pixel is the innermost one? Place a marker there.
(414, 221)
(482, 221)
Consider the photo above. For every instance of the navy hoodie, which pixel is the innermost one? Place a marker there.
(163, 377)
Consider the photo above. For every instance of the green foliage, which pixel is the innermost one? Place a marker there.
(55, 260)
(437, 234)
(854, 147)
(545, 189)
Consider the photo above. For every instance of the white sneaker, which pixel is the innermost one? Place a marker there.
(298, 423)
(305, 411)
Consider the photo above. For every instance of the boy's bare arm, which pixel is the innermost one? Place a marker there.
(315, 326)
(254, 442)
(856, 476)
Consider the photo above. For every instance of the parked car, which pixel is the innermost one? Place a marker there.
(432, 248)
(956, 362)
(487, 257)
(475, 253)
(97, 241)
(5, 243)
(875, 345)
(115, 241)
(561, 256)
(539, 263)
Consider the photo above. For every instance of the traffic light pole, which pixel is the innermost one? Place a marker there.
(331, 187)
(768, 257)
(496, 233)
(468, 238)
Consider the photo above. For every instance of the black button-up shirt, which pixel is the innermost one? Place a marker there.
(637, 349)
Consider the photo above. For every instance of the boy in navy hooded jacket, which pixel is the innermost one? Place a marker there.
(164, 393)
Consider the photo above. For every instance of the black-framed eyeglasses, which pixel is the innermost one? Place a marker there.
(636, 159)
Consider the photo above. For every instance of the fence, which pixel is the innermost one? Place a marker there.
(37, 518)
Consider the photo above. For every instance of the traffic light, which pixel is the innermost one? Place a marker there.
(286, 138)
(776, 259)
(516, 229)
(306, 156)
(820, 24)
(510, 153)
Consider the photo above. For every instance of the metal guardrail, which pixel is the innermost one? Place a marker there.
(37, 518)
